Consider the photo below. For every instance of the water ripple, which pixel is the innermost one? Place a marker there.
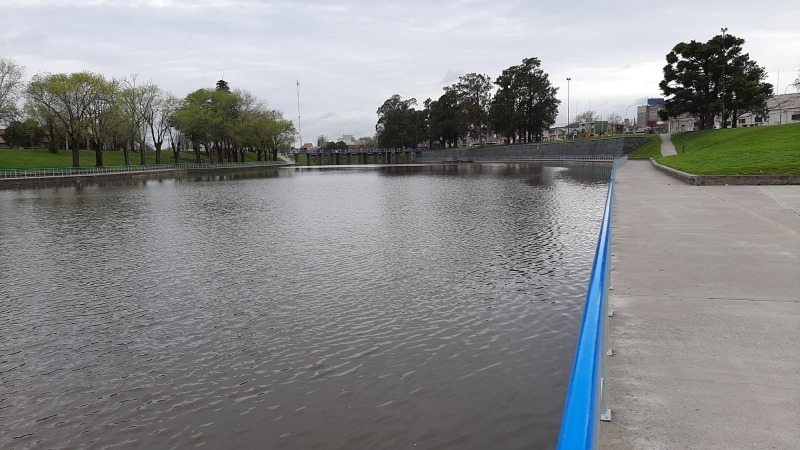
(358, 308)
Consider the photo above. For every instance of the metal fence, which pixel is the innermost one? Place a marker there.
(81, 171)
(585, 404)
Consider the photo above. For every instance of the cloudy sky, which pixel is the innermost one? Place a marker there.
(351, 55)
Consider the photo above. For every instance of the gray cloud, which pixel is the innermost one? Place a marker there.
(351, 55)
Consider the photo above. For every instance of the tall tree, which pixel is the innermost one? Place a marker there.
(11, 87)
(74, 101)
(473, 97)
(155, 106)
(525, 103)
(194, 118)
(446, 124)
(713, 79)
(397, 123)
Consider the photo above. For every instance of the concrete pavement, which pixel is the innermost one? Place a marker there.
(667, 147)
(706, 331)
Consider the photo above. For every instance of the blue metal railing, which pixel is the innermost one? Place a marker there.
(585, 403)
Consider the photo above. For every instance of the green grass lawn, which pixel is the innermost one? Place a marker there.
(651, 149)
(737, 151)
(41, 158)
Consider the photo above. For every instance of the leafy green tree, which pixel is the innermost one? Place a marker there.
(194, 118)
(445, 123)
(714, 78)
(473, 97)
(11, 88)
(399, 125)
(232, 123)
(75, 101)
(525, 103)
(24, 134)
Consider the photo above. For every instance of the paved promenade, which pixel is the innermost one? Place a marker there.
(706, 331)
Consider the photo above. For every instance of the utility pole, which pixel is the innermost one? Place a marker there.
(565, 134)
(722, 116)
(299, 133)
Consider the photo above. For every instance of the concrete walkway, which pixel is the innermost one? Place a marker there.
(706, 331)
(667, 147)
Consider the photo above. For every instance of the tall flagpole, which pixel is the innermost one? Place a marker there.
(299, 133)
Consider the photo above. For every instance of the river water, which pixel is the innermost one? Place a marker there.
(361, 307)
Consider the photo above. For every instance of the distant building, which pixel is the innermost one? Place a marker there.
(649, 111)
(781, 109)
(347, 139)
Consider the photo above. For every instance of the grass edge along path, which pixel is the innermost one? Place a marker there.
(766, 150)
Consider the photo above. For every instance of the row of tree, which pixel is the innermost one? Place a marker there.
(524, 105)
(88, 110)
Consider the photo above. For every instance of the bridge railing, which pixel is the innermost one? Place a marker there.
(585, 404)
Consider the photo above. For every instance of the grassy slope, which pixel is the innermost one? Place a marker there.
(738, 151)
(25, 159)
(650, 149)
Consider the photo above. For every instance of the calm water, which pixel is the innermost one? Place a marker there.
(434, 307)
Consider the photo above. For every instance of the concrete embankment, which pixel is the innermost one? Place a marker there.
(65, 178)
(557, 150)
(706, 298)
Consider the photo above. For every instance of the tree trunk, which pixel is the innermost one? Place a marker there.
(142, 154)
(98, 155)
(126, 153)
(52, 129)
(274, 154)
(76, 154)
(158, 151)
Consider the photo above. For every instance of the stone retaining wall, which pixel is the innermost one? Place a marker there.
(590, 149)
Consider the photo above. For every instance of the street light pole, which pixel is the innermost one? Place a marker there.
(722, 116)
(565, 134)
(299, 133)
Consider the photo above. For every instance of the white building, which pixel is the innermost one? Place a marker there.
(781, 109)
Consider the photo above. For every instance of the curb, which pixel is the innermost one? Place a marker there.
(725, 180)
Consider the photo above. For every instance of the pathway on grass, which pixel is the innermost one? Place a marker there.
(705, 332)
(667, 147)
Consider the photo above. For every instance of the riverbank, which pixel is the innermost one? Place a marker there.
(704, 332)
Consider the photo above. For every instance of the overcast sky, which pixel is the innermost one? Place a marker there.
(351, 55)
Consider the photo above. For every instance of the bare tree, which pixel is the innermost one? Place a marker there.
(156, 106)
(11, 86)
(586, 116)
